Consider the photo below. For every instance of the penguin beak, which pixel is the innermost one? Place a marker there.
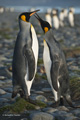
(39, 19)
(34, 12)
(37, 16)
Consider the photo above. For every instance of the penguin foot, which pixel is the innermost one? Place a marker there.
(55, 104)
(14, 94)
(61, 101)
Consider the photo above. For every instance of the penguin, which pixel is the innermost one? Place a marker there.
(61, 18)
(48, 16)
(71, 18)
(55, 19)
(55, 65)
(25, 56)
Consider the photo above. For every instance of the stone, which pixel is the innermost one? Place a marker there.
(63, 108)
(2, 77)
(2, 92)
(7, 95)
(76, 112)
(1, 83)
(61, 115)
(72, 118)
(24, 119)
(39, 92)
(49, 110)
(46, 90)
(2, 100)
(8, 89)
(41, 116)
(39, 98)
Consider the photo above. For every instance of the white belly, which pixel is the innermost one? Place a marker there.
(55, 22)
(35, 49)
(47, 65)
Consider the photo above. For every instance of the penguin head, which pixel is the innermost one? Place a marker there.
(26, 15)
(44, 24)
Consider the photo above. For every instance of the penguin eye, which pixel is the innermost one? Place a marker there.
(46, 29)
(23, 17)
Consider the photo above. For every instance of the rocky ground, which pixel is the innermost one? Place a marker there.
(69, 39)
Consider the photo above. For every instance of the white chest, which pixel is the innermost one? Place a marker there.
(35, 46)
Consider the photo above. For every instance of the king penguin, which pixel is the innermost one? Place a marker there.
(71, 18)
(25, 57)
(55, 65)
(55, 19)
(48, 17)
(61, 18)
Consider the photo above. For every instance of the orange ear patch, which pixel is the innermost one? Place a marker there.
(23, 17)
(46, 29)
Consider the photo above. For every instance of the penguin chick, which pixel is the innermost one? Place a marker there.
(55, 65)
(71, 18)
(25, 56)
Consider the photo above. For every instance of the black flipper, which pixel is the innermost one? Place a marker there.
(54, 74)
(29, 55)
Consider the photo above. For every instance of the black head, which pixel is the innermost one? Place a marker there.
(44, 24)
(26, 15)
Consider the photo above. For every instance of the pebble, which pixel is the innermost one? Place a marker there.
(7, 95)
(39, 98)
(2, 92)
(41, 116)
(8, 89)
(49, 110)
(46, 90)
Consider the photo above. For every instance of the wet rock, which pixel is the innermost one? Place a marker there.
(76, 112)
(24, 119)
(2, 100)
(2, 77)
(39, 92)
(39, 98)
(2, 92)
(1, 83)
(63, 108)
(8, 89)
(46, 90)
(41, 116)
(49, 110)
(61, 115)
(7, 95)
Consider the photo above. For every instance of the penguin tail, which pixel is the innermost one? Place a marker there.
(69, 101)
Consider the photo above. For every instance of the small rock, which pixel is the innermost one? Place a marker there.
(49, 110)
(2, 77)
(2, 100)
(62, 108)
(39, 98)
(8, 89)
(41, 116)
(76, 112)
(46, 90)
(1, 83)
(72, 118)
(7, 95)
(39, 92)
(24, 119)
(2, 92)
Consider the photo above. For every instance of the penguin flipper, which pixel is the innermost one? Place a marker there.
(29, 55)
(54, 74)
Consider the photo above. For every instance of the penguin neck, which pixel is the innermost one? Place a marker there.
(24, 25)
